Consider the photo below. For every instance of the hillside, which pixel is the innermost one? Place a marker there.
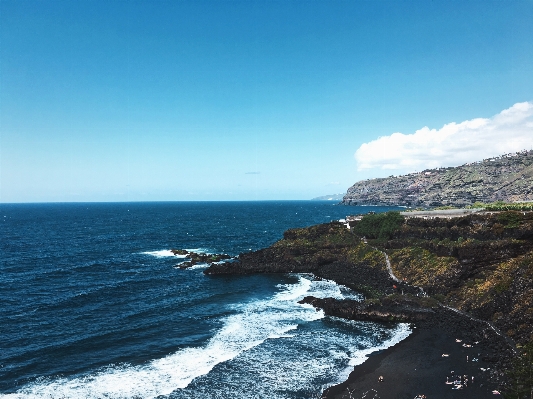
(506, 178)
(467, 277)
(479, 263)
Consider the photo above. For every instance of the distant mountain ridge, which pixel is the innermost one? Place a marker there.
(332, 197)
(506, 178)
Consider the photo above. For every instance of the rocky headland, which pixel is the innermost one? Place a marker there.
(506, 178)
(468, 278)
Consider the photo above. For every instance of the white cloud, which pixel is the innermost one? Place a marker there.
(454, 144)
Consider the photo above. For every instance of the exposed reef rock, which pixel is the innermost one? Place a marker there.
(195, 258)
(506, 178)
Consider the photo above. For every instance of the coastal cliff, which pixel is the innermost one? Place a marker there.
(480, 263)
(506, 178)
(469, 276)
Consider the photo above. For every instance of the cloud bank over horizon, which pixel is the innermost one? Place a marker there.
(452, 145)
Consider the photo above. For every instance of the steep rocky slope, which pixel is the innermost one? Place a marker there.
(481, 263)
(476, 273)
(506, 178)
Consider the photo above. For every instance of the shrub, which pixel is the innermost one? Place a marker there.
(521, 375)
(509, 219)
(504, 206)
(380, 225)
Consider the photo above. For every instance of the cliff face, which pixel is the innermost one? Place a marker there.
(506, 178)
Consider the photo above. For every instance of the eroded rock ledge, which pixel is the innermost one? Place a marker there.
(400, 309)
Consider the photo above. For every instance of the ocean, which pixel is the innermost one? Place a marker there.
(94, 305)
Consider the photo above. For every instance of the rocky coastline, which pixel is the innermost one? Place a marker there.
(475, 275)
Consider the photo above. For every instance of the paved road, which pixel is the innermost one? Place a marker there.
(445, 213)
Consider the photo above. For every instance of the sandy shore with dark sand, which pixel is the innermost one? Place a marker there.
(416, 366)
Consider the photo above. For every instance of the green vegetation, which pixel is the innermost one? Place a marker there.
(379, 226)
(504, 206)
(420, 266)
(330, 235)
(521, 375)
(368, 291)
(509, 219)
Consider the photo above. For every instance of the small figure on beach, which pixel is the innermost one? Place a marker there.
(380, 378)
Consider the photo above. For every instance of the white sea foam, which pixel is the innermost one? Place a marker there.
(198, 266)
(199, 250)
(167, 253)
(305, 362)
(323, 288)
(254, 323)
(163, 253)
(401, 332)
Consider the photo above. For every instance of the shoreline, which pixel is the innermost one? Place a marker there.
(416, 365)
(477, 263)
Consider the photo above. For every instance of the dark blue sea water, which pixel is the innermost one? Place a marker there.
(92, 304)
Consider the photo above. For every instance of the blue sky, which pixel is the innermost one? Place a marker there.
(245, 100)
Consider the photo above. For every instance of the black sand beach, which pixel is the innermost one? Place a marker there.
(416, 366)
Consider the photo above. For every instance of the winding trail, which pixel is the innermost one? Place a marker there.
(508, 340)
(389, 268)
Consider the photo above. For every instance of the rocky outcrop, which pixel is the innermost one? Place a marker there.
(506, 178)
(329, 251)
(194, 258)
(390, 309)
